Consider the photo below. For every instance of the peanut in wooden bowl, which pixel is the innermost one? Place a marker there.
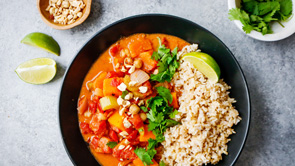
(45, 16)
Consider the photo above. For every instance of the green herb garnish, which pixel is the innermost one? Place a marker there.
(112, 144)
(167, 63)
(144, 109)
(159, 120)
(124, 93)
(144, 156)
(162, 163)
(258, 14)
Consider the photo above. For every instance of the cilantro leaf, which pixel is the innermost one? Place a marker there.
(258, 15)
(144, 109)
(112, 144)
(152, 143)
(171, 123)
(155, 56)
(162, 163)
(124, 93)
(165, 93)
(167, 63)
(144, 156)
(172, 115)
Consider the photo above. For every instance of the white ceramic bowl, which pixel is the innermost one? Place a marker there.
(279, 32)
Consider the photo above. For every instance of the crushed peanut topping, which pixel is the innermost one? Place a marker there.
(65, 11)
(143, 89)
(121, 147)
(132, 83)
(122, 110)
(126, 123)
(131, 70)
(122, 87)
(124, 134)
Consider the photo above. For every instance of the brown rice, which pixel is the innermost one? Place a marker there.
(206, 114)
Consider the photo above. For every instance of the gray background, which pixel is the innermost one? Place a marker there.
(29, 130)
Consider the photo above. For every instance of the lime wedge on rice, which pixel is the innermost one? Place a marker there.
(42, 41)
(37, 71)
(205, 64)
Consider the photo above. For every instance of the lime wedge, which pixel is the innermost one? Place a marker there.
(37, 71)
(43, 41)
(205, 64)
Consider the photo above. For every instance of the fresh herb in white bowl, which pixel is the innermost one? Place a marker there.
(266, 20)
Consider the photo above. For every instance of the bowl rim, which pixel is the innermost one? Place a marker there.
(257, 35)
(248, 121)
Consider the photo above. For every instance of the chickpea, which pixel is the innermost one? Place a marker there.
(134, 109)
(143, 116)
(128, 61)
(138, 63)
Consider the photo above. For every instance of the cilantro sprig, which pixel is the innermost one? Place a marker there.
(112, 144)
(167, 63)
(159, 116)
(258, 14)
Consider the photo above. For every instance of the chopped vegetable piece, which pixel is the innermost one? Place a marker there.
(82, 105)
(123, 153)
(109, 89)
(136, 121)
(148, 63)
(114, 50)
(174, 100)
(140, 77)
(146, 135)
(108, 102)
(139, 45)
(98, 92)
(85, 129)
(100, 144)
(117, 120)
(98, 82)
(98, 127)
(113, 135)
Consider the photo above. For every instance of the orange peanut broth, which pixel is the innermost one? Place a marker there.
(105, 63)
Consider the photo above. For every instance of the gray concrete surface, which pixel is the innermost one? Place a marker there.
(29, 130)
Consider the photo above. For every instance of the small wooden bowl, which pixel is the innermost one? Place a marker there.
(45, 16)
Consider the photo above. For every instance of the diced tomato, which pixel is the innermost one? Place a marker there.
(100, 144)
(99, 127)
(133, 135)
(116, 129)
(148, 63)
(113, 135)
(125, 154)
(82, 105)
(92, 106)
(136, 121)
(164, 41)
(139, 45)
(85, 129)
(116, 82)
(99, 107)
(112, 74)
(114, 49)
(133, 138)
(149, 86)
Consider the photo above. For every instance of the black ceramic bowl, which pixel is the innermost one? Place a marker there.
(150, 23)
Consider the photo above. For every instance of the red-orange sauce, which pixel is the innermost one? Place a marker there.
(106, 63)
